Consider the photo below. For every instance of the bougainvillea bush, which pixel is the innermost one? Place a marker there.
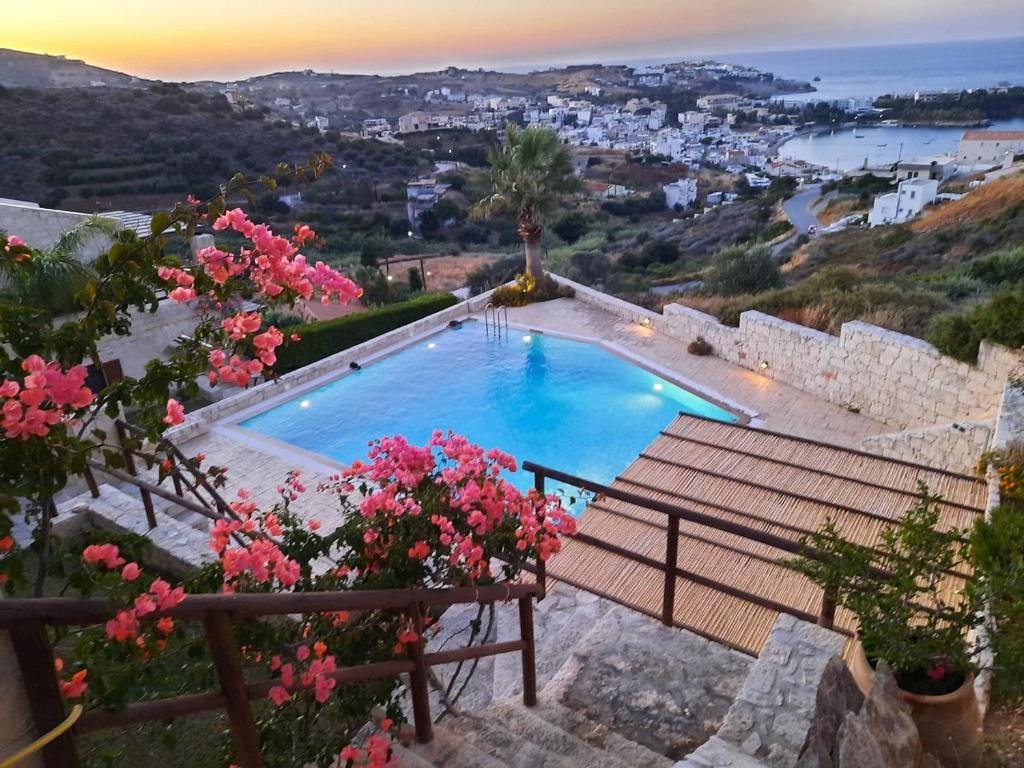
(435, 515)
(52, 424)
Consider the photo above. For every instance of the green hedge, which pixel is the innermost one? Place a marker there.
(324, 338)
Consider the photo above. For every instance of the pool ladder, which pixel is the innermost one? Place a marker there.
(493, 316)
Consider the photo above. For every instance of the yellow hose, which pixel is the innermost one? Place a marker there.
(42, 741)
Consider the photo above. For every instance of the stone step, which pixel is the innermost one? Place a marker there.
(177, 548)
(594, 735)
(664, 688)
(449, 749)
(535, 725)
(491, 735)
(561, 620)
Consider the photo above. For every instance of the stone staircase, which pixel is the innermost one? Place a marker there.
(616, 689)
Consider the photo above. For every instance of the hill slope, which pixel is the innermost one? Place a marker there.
(34, 70)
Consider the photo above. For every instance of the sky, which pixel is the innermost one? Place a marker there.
(231, 39)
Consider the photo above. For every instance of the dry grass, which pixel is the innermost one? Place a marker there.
(447, 273)
(983, 203)
(838, 208)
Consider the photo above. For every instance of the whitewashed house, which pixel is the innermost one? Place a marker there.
(939, 167)
(909, 199)
(989, 147)
(681, 194)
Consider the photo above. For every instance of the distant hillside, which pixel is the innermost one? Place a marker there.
(33, 70)
(139, 149)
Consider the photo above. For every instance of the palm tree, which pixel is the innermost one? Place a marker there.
(51, 278)
(530, 174)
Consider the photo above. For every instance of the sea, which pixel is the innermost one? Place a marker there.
(869, 72)
(872, 71)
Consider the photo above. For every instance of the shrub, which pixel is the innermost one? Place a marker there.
(906, 617)
(528, 291)
(999, 320)
(494, 274)
(321, 339)
(699, 346)
(738, 270)
(998, 561)
(660, 251)
(570, 227)
(1001, 267)
(415, 280)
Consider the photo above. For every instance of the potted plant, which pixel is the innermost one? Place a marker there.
(913, 613)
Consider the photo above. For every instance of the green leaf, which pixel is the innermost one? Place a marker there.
(159, 222)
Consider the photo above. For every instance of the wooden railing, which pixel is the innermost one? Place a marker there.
(191, 488)
(670, 566)
(28, 622)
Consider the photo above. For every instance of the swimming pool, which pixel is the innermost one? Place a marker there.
(565, 404)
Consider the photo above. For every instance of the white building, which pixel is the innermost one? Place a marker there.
(375, 126)
(414, 122)
(719, 101)
(909, 199)
(939, 167)
(682, 193)
(989, 147)
(757, 181)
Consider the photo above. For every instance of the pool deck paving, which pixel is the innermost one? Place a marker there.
(259, 465)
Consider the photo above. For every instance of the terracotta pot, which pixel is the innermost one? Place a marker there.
(949, 724)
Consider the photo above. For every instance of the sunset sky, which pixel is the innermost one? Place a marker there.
(237, 38)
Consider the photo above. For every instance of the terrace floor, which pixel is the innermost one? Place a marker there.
(259, 468)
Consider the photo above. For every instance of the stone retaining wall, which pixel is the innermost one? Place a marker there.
(1009, 428)
(892, 377)
(955, 446)
(769, 721)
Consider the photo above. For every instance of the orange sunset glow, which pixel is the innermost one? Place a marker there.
(234, 38)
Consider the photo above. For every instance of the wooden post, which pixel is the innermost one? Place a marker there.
(129, 461)
(827, 617)
(224, 649)
(35, 657)
(529, 652)
(423, 276)
(668, 606)
(90, 480)
(418, 682)
(542, 573)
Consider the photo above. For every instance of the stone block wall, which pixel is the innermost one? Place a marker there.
(42, 227)
(769, 721)
(892, 377)
(153, 333)
(955, 446)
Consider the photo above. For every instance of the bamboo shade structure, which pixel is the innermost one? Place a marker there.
(776, 483)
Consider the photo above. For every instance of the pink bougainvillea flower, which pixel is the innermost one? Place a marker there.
(175, 413)
(279, 695)
(130, 572)
(75, 687)
(103, 554)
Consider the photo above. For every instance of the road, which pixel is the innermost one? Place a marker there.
(799, 211)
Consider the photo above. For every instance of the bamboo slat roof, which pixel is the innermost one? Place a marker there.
(776, 483)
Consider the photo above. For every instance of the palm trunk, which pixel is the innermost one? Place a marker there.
(531, 241)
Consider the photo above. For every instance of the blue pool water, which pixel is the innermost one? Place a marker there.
(565, 404)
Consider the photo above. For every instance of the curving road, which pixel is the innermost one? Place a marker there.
(799, 211)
